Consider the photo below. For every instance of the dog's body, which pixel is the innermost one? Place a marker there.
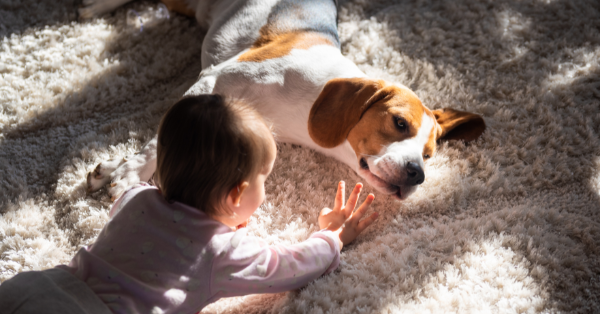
(284, 84)
(283, 57)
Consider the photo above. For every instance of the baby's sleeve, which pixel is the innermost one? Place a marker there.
(248, 266)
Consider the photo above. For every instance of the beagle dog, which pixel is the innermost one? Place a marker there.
(284, 58)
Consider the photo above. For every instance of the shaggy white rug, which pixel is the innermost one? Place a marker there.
(507, 224)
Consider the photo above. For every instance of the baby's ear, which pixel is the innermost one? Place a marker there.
(236, 193)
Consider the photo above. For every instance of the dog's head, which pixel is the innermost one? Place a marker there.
(388, 127)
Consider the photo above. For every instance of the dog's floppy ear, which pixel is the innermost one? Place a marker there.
(458, 125)
(339, 107)
(179, 6)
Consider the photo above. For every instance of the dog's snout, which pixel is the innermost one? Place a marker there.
(415, 174)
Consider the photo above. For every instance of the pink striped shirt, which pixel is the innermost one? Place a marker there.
(159, 257)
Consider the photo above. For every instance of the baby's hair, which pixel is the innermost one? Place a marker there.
(207, 145)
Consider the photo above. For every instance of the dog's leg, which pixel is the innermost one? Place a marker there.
(102, 174)
(124, 173)
(98, 7)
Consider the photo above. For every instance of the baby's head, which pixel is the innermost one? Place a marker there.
(214, 154)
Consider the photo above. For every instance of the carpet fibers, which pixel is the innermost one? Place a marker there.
(507, 224)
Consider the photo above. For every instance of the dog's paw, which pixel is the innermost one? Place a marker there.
(126, 175)
(102, 174)
(117, 189)
(123, 173)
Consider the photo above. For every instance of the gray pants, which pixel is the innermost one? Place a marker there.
(49, 291)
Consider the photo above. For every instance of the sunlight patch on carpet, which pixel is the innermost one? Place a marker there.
(595, 178)
(488, 278)
(583, 62)
(30, 239)
(42, 68)
(512, 26)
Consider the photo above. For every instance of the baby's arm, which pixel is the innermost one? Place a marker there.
(249, 266)
(246, 265)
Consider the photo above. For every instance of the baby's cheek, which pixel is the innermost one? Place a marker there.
(262, 196)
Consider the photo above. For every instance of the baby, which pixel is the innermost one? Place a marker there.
(180, 246)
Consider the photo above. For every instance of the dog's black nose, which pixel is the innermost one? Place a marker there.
(415, 174)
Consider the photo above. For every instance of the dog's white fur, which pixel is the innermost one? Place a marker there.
(282, 89)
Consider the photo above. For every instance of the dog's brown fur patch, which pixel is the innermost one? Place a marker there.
(431, 145)
(459, 125)
(272, 46)
(376, 128)
(339, 108)
(179, 6)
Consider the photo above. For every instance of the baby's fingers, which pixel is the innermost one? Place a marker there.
(340, 196)
(352, 200)
(366, 222)
(363, 208)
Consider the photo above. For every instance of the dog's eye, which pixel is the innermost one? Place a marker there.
(426, 157)
(400, 124)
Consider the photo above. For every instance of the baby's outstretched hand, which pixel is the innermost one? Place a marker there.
(354, 225)
(342, 220)
(333, 219)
